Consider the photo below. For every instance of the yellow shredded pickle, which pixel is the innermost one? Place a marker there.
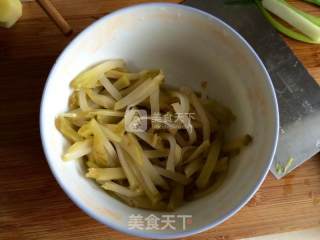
(147, 144)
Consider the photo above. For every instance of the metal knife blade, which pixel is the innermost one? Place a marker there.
(297, 92)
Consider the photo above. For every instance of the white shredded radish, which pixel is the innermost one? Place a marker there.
(141, 92)
(114, 187)
(154, 192)
(147, 166)
(110, 134)
(118, 74)
(199, 150)
(148, 138)
(138, 101)
(206, 130)
(156, 153)
(184, 101)
(100, 134)
(172, 152)
(89, 78)
(155, 177)
(192, 168)
(126, 168)
(178, 154)
(155, 101)
(106, 174)
(110, 88)
(186, 121)
(107, 112)
(122, 83)
(84, 106)
(102, 100)
(111, 152)
(78, 150)
(69, 115)
(178, 177)
(144, 180)
(132, 87)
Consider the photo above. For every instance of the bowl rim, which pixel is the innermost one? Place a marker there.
(142, 233)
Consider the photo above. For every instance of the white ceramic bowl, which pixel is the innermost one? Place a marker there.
(190, 46)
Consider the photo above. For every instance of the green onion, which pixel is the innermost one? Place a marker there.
(283, 29)
(307, 24)
(283, 10)
(288, 165)
(312, 18)
(281, 170)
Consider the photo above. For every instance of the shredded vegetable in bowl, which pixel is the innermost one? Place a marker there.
(147, 144)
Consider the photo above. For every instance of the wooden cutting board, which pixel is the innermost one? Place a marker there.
(32, 205)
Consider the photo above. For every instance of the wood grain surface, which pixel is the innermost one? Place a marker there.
(33, 206)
